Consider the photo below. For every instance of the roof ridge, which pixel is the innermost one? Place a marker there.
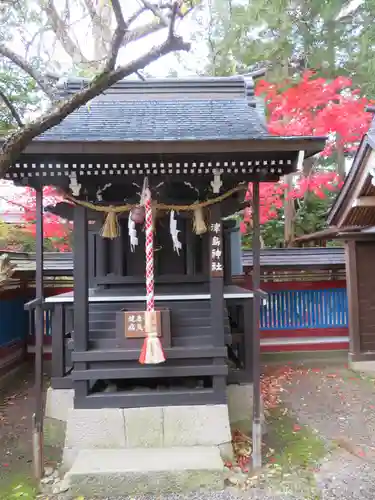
(178, 85)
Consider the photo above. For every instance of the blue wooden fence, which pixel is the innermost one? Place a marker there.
(300, 309)
(13, 321)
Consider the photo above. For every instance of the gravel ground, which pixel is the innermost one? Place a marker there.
(333, 401)
(228, 494)
(340, 405)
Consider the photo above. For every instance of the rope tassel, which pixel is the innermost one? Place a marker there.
(199, 224)
(152, 351)
(111, 227)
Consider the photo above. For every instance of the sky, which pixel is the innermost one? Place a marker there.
(81, 32)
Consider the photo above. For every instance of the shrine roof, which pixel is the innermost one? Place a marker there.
(61, 264)
(197, 109)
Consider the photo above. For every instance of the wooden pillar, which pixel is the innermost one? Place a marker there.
(216, 263)
(101, 257)
(58, 341)
(118, 255)
(81, 296)
(248, 327)
(257, 432)
(216, 276)
(39, 338)
(190, 250)
(353, 299)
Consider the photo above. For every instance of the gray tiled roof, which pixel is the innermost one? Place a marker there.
(297, 257)
(170, 110)
(271, 258)
(146, 120)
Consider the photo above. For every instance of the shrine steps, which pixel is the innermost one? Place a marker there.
(116, 472)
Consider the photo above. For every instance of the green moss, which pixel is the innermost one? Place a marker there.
(292, 454)
(18, 487)
(296, 445)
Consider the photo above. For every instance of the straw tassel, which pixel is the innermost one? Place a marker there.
(111, 227)
(199, 224)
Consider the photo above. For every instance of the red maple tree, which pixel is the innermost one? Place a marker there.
(310, 107)
(318, 107)
(273, 194)
(55, 229)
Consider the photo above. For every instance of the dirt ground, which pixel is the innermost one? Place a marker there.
(320, 442)
(16, 409)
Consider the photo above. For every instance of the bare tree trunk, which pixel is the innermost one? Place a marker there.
(289, 213)
(340, 158)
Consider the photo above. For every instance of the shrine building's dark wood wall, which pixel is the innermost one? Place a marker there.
(361, 295)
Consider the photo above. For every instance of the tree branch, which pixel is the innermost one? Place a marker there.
(140, 76)
(27, 68)
(11, 108)
(118, 35)
(172, 21)
(156, 11)
(17, 142)
(135, 16)
(61, 31)
(142, 31)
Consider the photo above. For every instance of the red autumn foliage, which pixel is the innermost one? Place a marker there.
(54, 228)
(271, 195)
(310, 107)
(318, 107)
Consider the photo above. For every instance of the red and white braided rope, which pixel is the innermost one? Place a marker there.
(149, 253)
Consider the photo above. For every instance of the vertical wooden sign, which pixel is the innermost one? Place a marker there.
(217, 261)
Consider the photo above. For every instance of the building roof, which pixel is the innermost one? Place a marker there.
(297, 258)
(347, 210)
(165, 110)
(61, 264)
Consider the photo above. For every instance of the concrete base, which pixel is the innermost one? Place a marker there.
(115, 451)
(133, 428)
(367, 367)
(58, 403)
(240, 407)
(103, 473)
(147, 427)
(54, 432)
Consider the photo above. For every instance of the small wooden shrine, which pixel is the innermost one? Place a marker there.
(177, 154)
(198, 142)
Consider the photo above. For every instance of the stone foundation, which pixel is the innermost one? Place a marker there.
(180, 434)
(240, 407)
(134, 428)
(367, 367)
(148, 427)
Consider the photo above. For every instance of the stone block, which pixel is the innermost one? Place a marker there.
(240, 402)
(240, 407)
(366, 367)
(102, 428)
(144, 427)
(196, 425)
(58, 403)
(54, 432)
(68, 457)
(153, 471)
